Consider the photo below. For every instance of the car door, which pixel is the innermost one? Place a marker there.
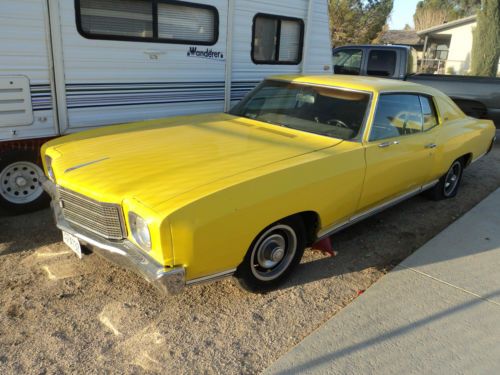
(398, 152)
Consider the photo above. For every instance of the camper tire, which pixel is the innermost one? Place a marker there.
(20, 188)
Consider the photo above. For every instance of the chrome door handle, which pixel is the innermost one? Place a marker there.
(431, 145)
(387, 144)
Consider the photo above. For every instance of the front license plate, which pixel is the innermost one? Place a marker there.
(73, 243)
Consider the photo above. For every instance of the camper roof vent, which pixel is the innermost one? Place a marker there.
(15, 101)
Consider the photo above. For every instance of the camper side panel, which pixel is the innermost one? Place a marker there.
(315, 48)
(115, 81)
(319, 45)
(26, 98)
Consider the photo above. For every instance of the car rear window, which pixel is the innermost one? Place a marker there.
(381, 63)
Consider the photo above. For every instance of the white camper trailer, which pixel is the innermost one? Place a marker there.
(70, 65)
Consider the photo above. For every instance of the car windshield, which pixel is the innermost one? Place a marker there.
(327, 111)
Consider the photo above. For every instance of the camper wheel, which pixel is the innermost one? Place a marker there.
(20, 188)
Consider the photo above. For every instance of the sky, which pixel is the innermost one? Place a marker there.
(402, 14)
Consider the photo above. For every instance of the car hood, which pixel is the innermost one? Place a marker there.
(157, 160)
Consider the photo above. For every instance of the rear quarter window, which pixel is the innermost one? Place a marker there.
(448, 110)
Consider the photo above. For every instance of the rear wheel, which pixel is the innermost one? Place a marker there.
(272, 256)
(448, 184)
(20, 188)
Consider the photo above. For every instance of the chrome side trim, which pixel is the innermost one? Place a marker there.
(214, 277)
(392, 202)
(479, 157)
(372, 211)
(430, 185)
(328, 231)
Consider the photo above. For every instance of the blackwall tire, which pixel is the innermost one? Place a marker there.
(449, 183)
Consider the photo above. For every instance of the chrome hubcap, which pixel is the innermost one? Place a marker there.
(20, 182)
(278, 254)
(452, 177)
(273, 252)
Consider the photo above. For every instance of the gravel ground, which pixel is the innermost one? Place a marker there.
(61, 315)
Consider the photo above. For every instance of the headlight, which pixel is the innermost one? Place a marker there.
(50, 171)
(140, 230)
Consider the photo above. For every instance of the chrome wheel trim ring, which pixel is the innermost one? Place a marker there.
(273, 253)
(20, 182)
(452, 178)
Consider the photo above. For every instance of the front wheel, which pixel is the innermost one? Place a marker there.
(272, 256)
(448, 184)
(20, 188)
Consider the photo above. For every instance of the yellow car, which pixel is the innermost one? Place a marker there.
(196, 198)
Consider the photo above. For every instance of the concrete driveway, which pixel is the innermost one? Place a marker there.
(438, 312)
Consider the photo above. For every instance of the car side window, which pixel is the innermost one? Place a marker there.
(429, 113)
(397, 115)
(347, 61)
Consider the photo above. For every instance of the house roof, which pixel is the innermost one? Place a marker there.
(448, 25)
(405, 37)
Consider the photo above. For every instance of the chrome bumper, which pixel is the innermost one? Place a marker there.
(122, 253)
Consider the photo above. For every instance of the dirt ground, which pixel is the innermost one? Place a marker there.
(59, 314)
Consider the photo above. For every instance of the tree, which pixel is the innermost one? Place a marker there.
(486, 40)
(357, 21)
(431, 13)
(465, 8)
(436, 12)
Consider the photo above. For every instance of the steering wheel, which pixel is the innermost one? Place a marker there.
(337, 122)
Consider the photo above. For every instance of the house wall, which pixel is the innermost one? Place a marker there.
(459, 56)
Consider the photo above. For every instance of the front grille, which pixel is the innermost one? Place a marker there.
(104, 219)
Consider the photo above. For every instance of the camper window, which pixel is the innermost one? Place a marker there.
(181, 22)
(128, 18)
(161, 21)
(277, 40)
